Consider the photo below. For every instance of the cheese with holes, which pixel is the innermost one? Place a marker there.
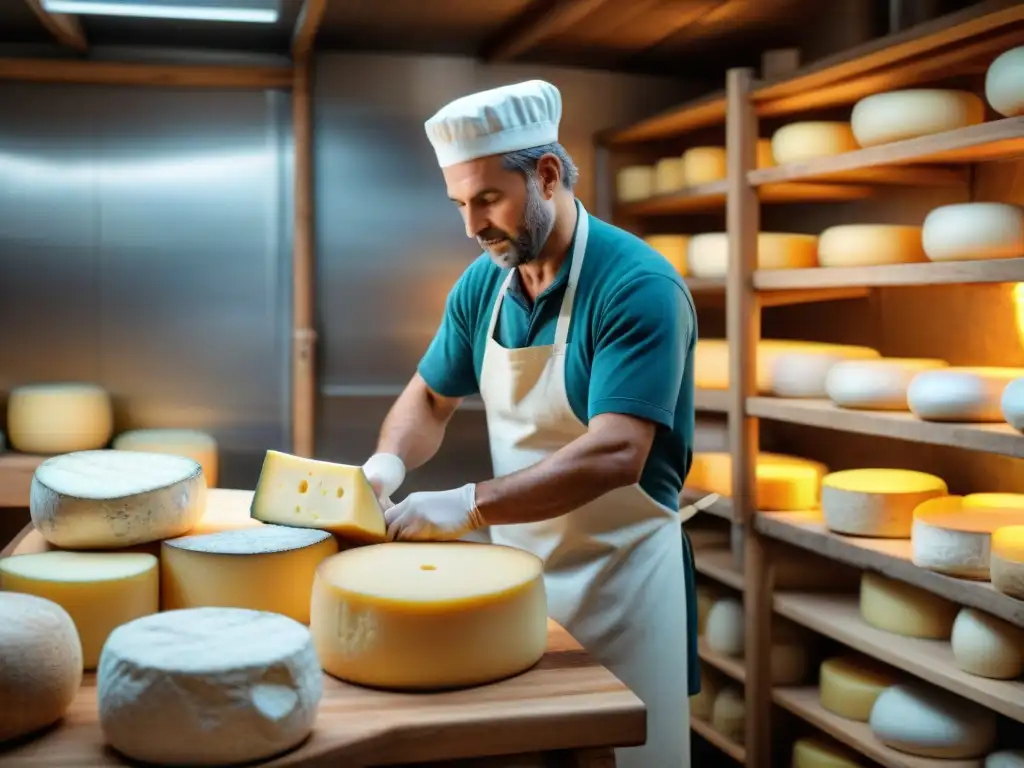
(269, 568)
(192, 443)
(952, 534)
(708, 254)
(728, 716)
(972, 231)
(226, 509)
(876, 502)
(1006, 564)
(702, 704)
(802, 373)
(987, 646)
(1005, 758)
(960, 394)
(868, 245)
(898, 115)
(879, 385)
(819, 752)
(724, 628)
(920, 719)
(208, 686)
(702, 165)
(635, 182)
(115, 499)
(1012, 404)
(849, 685)
(1004, 83)
(784, 483)
(796, 142)
(308, 493)
(427, 616)
(903, 609)
(41, 669)
(668, 175)
(99, 590)
(672, 247)
(59, 418)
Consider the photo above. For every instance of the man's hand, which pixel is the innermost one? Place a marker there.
(434, 516)
(385, 471)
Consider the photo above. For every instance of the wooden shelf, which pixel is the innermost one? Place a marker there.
(711, 400)
(699, 199)
(720, 507)
(728, 665)
(890, 557)
(729, 747)
(717, 564)
(705, 286)
(923, 273)
(702, 112)
(16, 470)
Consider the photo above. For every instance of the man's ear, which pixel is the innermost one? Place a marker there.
(549, 174)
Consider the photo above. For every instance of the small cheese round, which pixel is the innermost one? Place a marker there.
(427, 616)
(817, 752)
(728, 716)
(226, 509)
(987, 646)
(702, 165)
(903, 609)
(702, 704)
(708, 253)
(192, 443)
(99, 590)
(268, 568)
(920, 719)
(1004, 84)
(876, 502)
(40, 664)
(208, 686)
(1005, 758)
(635, 182)
(724, 628)
(952, 534)
(897, 115)
(849, 685)
(973, 231)
(672, 247)
(878, 385)
(668, 175)
(803, 373)
(1006, 562)
(960, 394)
(867, 245)
(1012, 404)
(59, 418)
(796, 142)
(707, 596)
(784, 483)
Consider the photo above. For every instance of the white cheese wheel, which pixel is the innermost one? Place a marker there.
(702, 704)
(796, 142)
(903, 609)
(867, 245)
(802, 373)
(987, 646)
(707, 596)
(784, 483)
(849, 685)
(191, 443)
(269, 568)
(876, 502)
(424, 616)
(59, 418)
(208, 686)
(952, 534)
(1004, 84)
(920, 719)
(41, 667)
(635, 182)
(702, 165)
(672, 247)
(728, 716)
(897, 115)
(724, 628)
(1012, 404)
(708, 252)
(115, 499)
(99, 590)
(879, 385)
(668, 175)
(226, 509)
(1005, 758)
(1006, 564)
(817, 752)
(960, 394)
(973, 231)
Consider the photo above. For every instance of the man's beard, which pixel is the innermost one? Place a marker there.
(534, 230)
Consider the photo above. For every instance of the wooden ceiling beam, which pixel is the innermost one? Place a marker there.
(306, 26)
(63, 26)
(558, 19)
(157, 75)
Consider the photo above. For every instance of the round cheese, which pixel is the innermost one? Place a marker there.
(635, 182)
(424, 616)
(268, 568)
(788, 658)
(849, 685)
(1005, 758)
(879, 385)
(923, 720)
(115, 499)
(972, 231)
(1004, 84)
(1006, 564)
(728, 716)
(796, 142)
(802, 373)
(868, 245)
(702, 704)
(876, 502)
(986, 646)
(1012, 404)
(702, 165)
(226, 509)
(724, 628)
(59, 418)
(99, 590)
(707, 596)
(960, 394)
(897, 115)
(817, 752)
(900, 608)
(180, 442)
(668, 175)
(708, 253)
(672, 247)
(784, 483)
(41, 667)
(952, 534)
(208, 686)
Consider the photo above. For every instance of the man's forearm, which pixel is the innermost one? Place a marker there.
(414, 427)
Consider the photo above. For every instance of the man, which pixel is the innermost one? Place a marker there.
(580, 340)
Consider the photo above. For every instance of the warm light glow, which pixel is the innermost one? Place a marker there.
(975, 513)
(1017, 291)
(1008, 543)
(156, 10)
(884, 481)
(784, 483)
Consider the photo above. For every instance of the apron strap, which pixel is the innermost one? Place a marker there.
(579, 251)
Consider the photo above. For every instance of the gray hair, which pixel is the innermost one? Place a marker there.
(525, 161)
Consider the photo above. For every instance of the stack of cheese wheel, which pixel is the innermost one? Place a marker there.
(869, 245)
(952, 534)
(960, 394)
(1004, 85)
(973, 232)
(876, 502)
(803, 372)
(903, 609)
(849, 685)
(708, 253)
(823, 752)
(875, 384)
(1006, 562)
(898, 115)
(668, 175)
(801, 141)
(672, 247)
(635, 182)
(987, 646)
(59, 418)
(784, 483)
(180, 442)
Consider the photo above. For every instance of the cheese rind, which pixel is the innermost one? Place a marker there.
(972, 231)
(724, 628)
(898, 115)
(879, 385)
(59, 418)
(960, 394)
(672, 247)
(192, 443)
(952, 534)
(865, 245)
(803, 373)
(728, 716)
(876, 502)
(796, 142)
(900, 608)
(816, 752)
(1004, 84)
(784, 483)
(1006, 563)
(986, 646)
(708, 252)
(849, 685)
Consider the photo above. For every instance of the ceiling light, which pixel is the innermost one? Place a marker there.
(223, 10)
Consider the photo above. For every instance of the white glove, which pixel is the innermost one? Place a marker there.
(435, 515)
(385, 471)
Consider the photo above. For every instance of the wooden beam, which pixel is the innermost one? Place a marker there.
(306, 26)
(123, 73)
(563, 16)
(65, 27)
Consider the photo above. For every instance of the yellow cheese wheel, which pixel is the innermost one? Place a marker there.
(192, 443)
(876, 502)
(708, 254)
(668, 175)
(702, 165)
(897, 115)
(728, 715)
(784, 483)
(635, 182)
(672, 247)
(819, 752)
(865, 245)
(952, 534)
(797, 142)
(764, 153)
(903, 609)
(59, 418)
(1007, 560)
(848, 685)
(1004, 83)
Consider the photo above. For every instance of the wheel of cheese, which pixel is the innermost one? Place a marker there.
(635, 182)
(973, 231)
(920, 719)
(702, 704)
(876, 502)
(672, 247)
(724, 628)
(797, 142)
(952, 534)
(668, 175)
(1005, 758)
(849, 685)
(784, 483)
(1004, 84)
(41, 669)
(803, 373)
(226, 509)
(788, 657)
(99, 590)
(702, 165)
(728, 716)
(868, 245)
(818, 752)
(897, 115)
(59, 418)
(191, 443)
(986, 646)
(707, 596)
(1006, 563)
(1012, 404)
(903, 609)
(877, 385)
(428, 616)
(208, 686)
(708, 253)
(960, 394)
(115, 499)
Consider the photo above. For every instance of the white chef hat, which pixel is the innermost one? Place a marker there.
(493, 122)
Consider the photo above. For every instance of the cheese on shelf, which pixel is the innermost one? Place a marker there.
(1004, 84)
(972, 231)
(877, 385)
(987, 646)
(115, 499)
(702, 704)
(796, 142)
(668, 175)
(192, 443)
(707, 596)
(672, 247)
(903, 609)
(1005, 758)
(952, 534)
(818, 752)
(960, 394)
(920, 719)
(226, 509)
(1006, 564)
(728, 716)
(784, 483)
(99, 590)
(764, 154)
(897, 115)
(708, 254)
(702, 165)
(867, 245)
(788, 658)
(802, 373)
(42, 664)
(876, 502)
(635, 182)
(1012, 404)
(59, 418)
(427, 616)
(849, 685)
(269, 568)
(724, 628)
(208, 686)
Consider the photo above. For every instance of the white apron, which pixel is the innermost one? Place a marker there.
(613, 569)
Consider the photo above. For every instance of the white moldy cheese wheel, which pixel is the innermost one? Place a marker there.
(1006, 563)
(807, 140)
(986, 646)
(818, 752)
(920, 719)
(784, 483)
(952, 534)
(878, 385)
(702, 165)
(635, 182)
(849, 685)
(429, 616)
(59, 418)
(115, 499)
(960, 394)
(99, 590)
(896, 115)
(728, 716)
(866, 245)
(1012, 404)
(672, 247)
(707, 596)
(876, 502)
(1004, 83)
(668, 175)
(192, 443)
(226, 509)
(208, 686)
(269, 568)
(802, 373)
(708, 253)
(40, 664)
(973, 231)
(903, 609)
(724, 628)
